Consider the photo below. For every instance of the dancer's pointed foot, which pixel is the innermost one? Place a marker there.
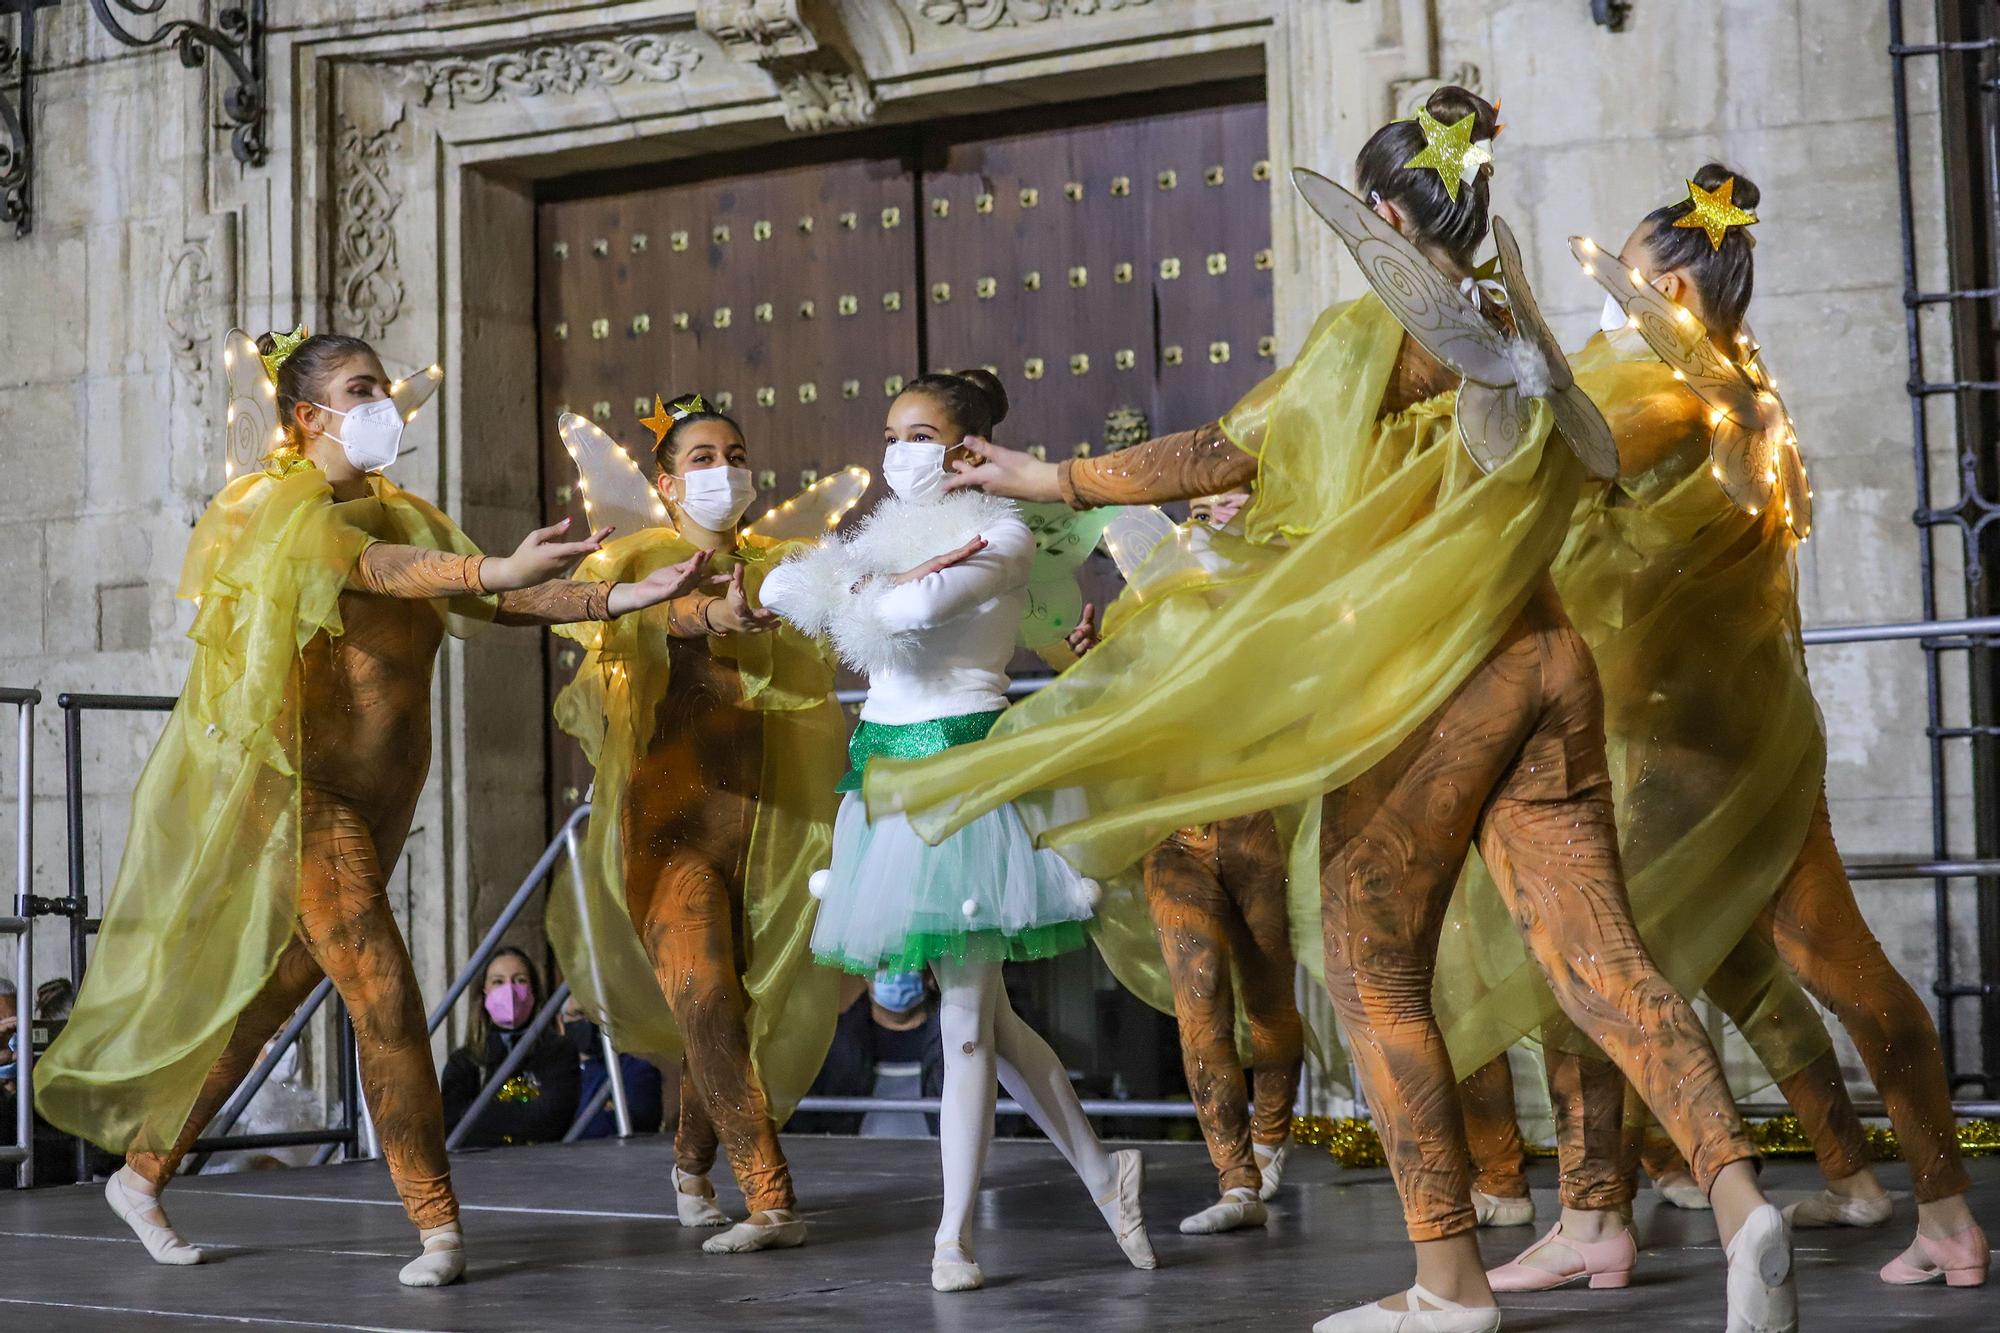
(1490, 1210)
(1558, 1259)
(137, 1204)
(778, 1229)
(1424, 1312)
(1270, 1165)
(1678, 1188)
(694, 1201)
(1121, 1208)
(442, 1262)
(1961, 1260)
(1827, 1209)
(954, 1269)
(1763, 1297)
(1238, 1208)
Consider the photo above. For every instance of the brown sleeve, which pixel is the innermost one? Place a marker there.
(557, 602)
(389, 570)
(1180, 466)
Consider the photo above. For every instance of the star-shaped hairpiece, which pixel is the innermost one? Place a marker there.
(1449, 150)
(282, 346)
(1715, 212)
(660, 422)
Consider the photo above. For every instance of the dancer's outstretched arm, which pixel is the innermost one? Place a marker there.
(1181, 466)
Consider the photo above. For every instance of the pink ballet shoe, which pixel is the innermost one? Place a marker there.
(1960, 1260)
(1607, 1263)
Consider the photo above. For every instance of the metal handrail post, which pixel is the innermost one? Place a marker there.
(24, 947)
(515, 1058)
(565, 836)
(621, 1108)
(239, 1101)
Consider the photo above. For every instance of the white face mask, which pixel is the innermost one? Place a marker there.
(372, 435)
(715, 497)
(1613, 318)
(914, 469)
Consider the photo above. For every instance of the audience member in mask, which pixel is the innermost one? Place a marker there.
(887, 1044)
(536, 1104)
(643, 1085)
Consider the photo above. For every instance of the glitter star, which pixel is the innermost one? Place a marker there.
(660, 422)
(1715, 212)
(282, 346)
(1446, 149)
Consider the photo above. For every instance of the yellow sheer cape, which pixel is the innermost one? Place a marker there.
(207, 889)
(609, 708)
(1381, 569)
(1690, 607)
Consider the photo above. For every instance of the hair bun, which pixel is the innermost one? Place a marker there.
(1451, 104)
(267, 342)
(988, 385)
(1713, 175)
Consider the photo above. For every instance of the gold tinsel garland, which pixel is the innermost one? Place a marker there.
(1352, 1141)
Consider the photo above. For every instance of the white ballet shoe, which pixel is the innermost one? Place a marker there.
(1827, 1209)
(697, 1210)
(1271, 1166)
(1679, 1189)
(132, 1205)
(1237, 1209)
(1121, 1208)
(747, 1237)
(1762, 1295)
(954, 1269)
(1428, 1313)
(1490, 1210)
(442, 1262)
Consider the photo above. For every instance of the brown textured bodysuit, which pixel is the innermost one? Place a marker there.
(1217, 897)
(365, 714)
(689, 807)
(1514, 760)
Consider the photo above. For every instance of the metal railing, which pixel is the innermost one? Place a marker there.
(21, 925)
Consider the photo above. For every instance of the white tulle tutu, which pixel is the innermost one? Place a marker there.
(985, 894)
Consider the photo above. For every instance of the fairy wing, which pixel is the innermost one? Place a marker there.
(615, 493)
(1748, 423)
(1134, 534)
(1581, 424)
(1427, 304)
(1063, 538)
(410, 393)
(814, 511)
(250, 417)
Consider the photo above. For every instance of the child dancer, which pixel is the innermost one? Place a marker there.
(283, 788)
(1404, 653)
(927, 599)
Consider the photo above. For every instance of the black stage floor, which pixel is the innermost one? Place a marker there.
(583, 1238)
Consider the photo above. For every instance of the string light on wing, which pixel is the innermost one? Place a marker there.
(615, 492)
(816, 510)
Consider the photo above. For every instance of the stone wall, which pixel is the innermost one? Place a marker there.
(397, 202)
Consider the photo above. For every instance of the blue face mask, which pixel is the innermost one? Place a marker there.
(898, 992)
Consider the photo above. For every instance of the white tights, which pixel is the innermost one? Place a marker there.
(984, 1037)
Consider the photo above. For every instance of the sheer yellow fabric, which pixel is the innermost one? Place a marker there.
(1690, 607)
(207, 888)
(609, 708)
(1403, 568)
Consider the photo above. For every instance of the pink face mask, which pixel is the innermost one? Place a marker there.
(510, 1005)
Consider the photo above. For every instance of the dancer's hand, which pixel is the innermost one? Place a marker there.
(662, 585)
(1084, 637)
(541, 556)
(1005, 472)
(732, 613)
(936, 563)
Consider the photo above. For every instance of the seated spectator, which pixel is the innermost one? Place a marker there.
(643, 1087)
(537, 1103)
(890, 1046)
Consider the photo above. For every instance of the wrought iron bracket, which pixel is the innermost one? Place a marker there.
(33, 905)
(236, 38)
(17, 116)
(1611, 14)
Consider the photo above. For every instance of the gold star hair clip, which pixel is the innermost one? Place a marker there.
(1715, 212)
(1449, 150)
(282, 346)
(666, 414)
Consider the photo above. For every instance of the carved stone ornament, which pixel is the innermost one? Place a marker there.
(190, 292)
(980, 15)
(368, 286)
(825, 97)
(1125, 427)
(755, 31)
(565, 67)
(820, 80)
(1406, 95)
